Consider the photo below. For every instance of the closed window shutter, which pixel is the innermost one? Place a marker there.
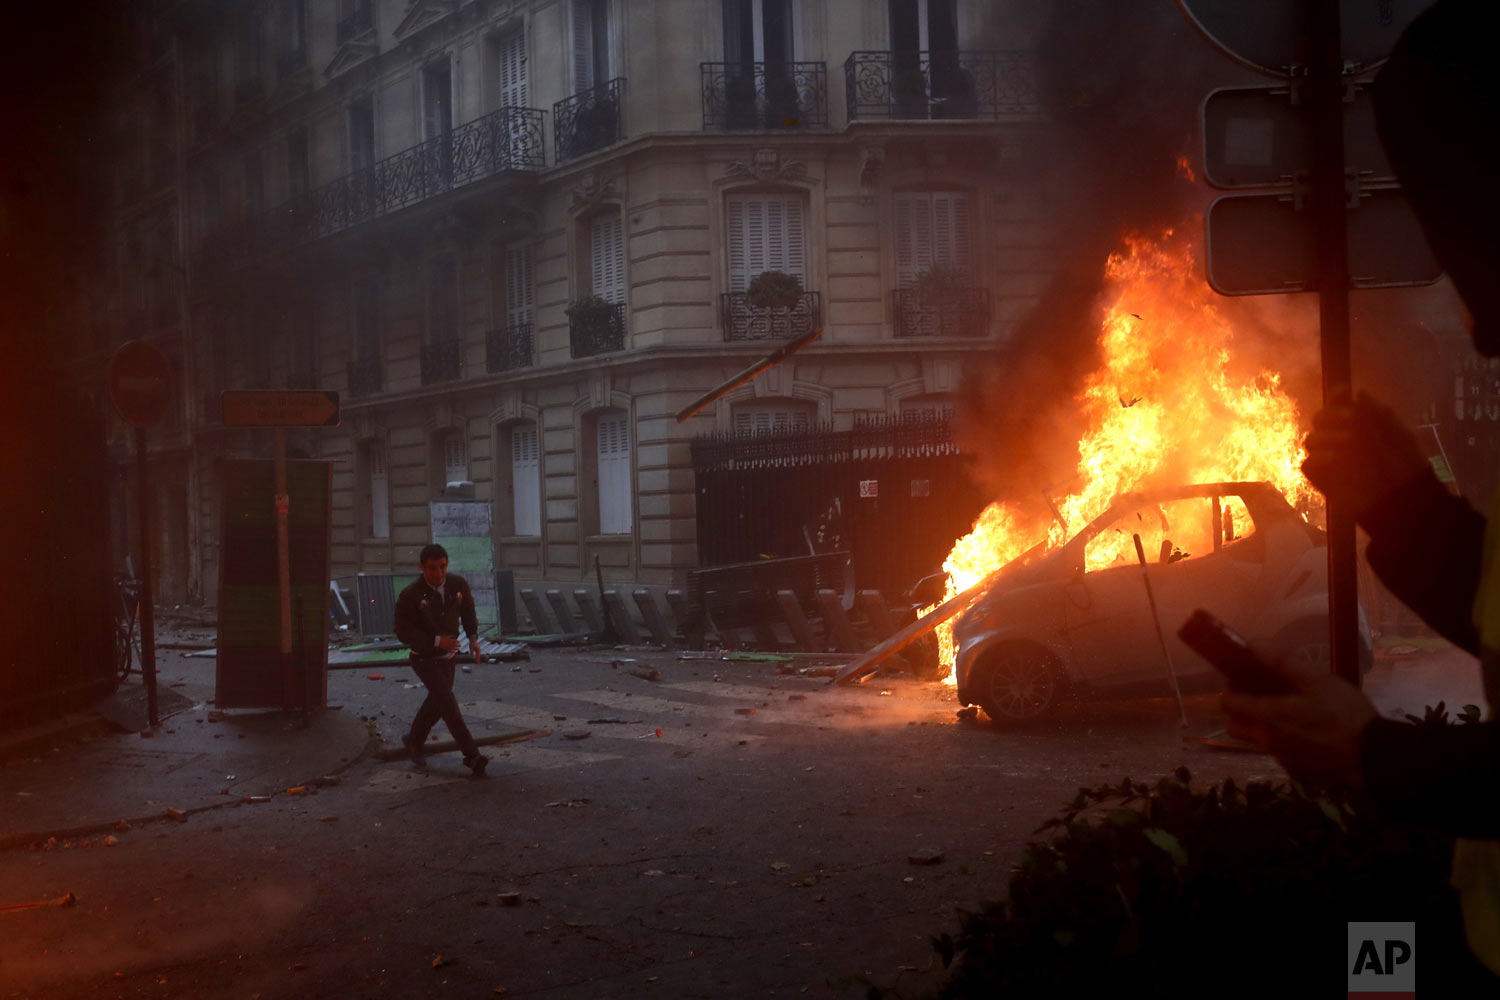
(518, 288)
(932, 231)
(906, 260)
(765, 417)
(607, 253)
(513, 70)
(455, 458)
(583, 45)
(614, 474)
(380, 499)
(432, 106)
(525, 479)
(766, 233)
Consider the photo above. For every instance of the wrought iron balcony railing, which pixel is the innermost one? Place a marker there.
(596, 331)
(788, 95)
(360, 19)
(884, 85)
(958, 312)
(589, 120)
(441, 360)
(508, 348)
(743, 321)
(364, 375)
(504, 142)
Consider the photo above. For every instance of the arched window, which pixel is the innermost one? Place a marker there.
(525, 479)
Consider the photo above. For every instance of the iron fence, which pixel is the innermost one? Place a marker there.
(364, 375)
(784, 95)
(588, 121)
(743, 321)
(596, 330)
(906, 85)
(508, 348)
(441, 360)
(958, 312)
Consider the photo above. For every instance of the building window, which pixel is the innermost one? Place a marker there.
(525, 480)
(379, 509)
(508, 57)
(451, 455)
(516, 289)
(769, 415)
(366, 312)
(607, 257)
(932, 234)
(437, 100)
(759, 31)
(296, 164)
(612, 439)
(924, 25)
(766, 233)
(591, 44)
(361, 134)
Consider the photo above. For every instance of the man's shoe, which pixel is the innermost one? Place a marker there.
(415, 749)
(477, 764)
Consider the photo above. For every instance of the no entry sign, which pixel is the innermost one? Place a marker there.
(140, 383)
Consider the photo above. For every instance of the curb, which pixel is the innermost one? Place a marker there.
(17, 841)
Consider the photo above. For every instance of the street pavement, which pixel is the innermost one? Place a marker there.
(723, 830)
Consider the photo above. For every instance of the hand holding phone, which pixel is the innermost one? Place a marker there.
(1228, 652)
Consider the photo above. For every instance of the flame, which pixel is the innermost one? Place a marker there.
(1185, 169)
(1169, 405)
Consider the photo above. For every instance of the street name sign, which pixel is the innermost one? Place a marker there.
(1271, 35)
(279, 408)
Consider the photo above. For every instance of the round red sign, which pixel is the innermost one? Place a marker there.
(140, 383)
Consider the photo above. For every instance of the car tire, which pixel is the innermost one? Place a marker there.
(1017, 683)
(1305, 643)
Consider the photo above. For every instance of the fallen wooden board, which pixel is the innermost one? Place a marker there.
(447, 746)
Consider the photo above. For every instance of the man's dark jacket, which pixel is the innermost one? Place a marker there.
(422, 615)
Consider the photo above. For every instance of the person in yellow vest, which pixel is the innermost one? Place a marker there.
(1436, 108)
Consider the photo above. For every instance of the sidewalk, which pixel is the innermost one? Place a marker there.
(88, 777)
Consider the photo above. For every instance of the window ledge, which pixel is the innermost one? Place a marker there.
(609, 539)
(520, 539)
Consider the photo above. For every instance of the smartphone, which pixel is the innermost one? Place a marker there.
(1228, 652)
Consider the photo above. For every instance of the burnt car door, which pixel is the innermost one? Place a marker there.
(1107, 618)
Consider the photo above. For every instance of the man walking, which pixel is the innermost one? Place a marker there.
(428, 614)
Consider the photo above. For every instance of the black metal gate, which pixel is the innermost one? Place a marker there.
(895, 493)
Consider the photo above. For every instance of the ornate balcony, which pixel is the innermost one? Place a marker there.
(360, 19)
(947, 85)
(596, 331)
(739, 96)
(508, 348)
(441, 360)
(364, 375)
(959, 312)
(508, 141)
(588, 121)
(743, 321)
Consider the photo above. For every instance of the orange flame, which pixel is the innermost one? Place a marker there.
(1169, 405)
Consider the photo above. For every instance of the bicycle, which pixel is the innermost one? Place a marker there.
(127, 618)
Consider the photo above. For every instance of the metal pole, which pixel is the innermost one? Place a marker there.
(284, 573)
(1325, 120)
(1161, 636)
(148, 620)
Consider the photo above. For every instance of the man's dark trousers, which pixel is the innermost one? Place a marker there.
(437, 675)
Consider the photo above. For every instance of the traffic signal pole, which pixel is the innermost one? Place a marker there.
(1329, 195)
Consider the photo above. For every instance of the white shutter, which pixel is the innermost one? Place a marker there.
(766, 233)
(525, 480)
(380, 496)
(764, 416)
(519, 301)
(614, 473)
(607, 257)
(583, 46)
(906, 260)
(455, 458)
(933, 230)
(512, 54)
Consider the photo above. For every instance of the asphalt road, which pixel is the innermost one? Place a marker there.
(760, 845)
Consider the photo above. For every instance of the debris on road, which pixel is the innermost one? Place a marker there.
(438, 961)
(968, 712)
(576, 734)
(257, 798)
(510, 899)
(925, 856)
(328, 819)
(67, 899)
(568, 803)
(297, 790)
(111, 840)
(744, 711)
(646, 673)
(375, 677)
(611, 720)
(177, 814)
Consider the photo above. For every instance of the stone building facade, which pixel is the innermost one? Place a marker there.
(517, 236)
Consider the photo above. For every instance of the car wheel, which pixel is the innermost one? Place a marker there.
(1017, 683)
(1304, 644)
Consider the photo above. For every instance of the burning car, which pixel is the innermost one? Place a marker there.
(1076, 619)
